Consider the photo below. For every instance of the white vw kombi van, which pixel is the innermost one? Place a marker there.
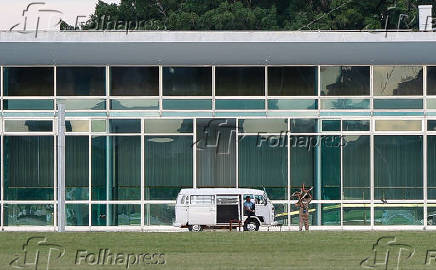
(197, 208)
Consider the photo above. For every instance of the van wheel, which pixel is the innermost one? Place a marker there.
(195, 228)
(251, 225)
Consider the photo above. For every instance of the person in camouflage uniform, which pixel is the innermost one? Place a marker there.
(304, 199)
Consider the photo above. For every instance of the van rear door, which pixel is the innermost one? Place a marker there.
(202, 210)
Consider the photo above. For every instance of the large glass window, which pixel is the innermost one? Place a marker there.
(240, 81)
(216, 152)
(116, 167)
(345, 81)
(134, 81)
(28, 167)
(356, 167)
(431, 167)
(76, 167)
(330, 167)
(303, 161)
(80, 81)
(28, 214)
(398, 214)
(115, 214)
(187, 81)
(398, 80)
(431, 80)
(28, 81)
(263, 162)
(168, 166)
(292, 81)
(398, 165)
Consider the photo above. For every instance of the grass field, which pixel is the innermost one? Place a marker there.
(216, 250)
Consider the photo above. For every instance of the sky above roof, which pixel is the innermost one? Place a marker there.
(17, 14)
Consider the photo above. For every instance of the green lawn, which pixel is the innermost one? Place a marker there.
(220, 249)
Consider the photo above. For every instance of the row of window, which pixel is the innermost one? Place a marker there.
(229, 81)
(165, 126)
(110, 168)
(164, 214)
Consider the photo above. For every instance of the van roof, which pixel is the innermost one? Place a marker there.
(213, 191)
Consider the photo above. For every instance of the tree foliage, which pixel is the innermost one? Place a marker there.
(255, 15)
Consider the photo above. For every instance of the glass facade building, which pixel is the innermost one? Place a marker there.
(363, 135)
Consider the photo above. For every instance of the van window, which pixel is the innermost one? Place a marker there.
(202, 199)
(259, 199)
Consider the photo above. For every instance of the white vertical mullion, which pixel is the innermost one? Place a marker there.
(2, 150)
(108, 103)
(194, 154)
(425, 152)
(142, 172)
(89, 179)
(55, 177)
(342, 176)
(55, 87)
(319, 91)
(266, 89)
(288, 197)
(160, 90)
(213, 90)
(371, 143)
(237, 151)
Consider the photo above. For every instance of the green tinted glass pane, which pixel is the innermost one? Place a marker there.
(356, 167)
(398, 165)
(431, 80)
(356, 216)
(169, 163)
(168, 126)
(80, 81)
(187, 81)
(345, 81)
(292, 81)
(292, 104)
(398, 215)
(431, 214)
(76, 125)
(28, 126)
(331, 167)
(187, 104)
(240, 81)
(304, 125)
(303, 161)
(28, 81)
(28, 214)
(263, 125)
(398, 104)
(35, 182)
(331, 125)
(431, 167)
(76, 167)
(124, 126)
(261, 165)
(159, 214)
(398, 80)
(281, 213)
(345, 104)
(116, 163)
(28, 104)
(115, 214)
(355, 125)
(134, 104)
(239, 104)
(134, 81)
(83, 104)
(331, 214)
(77, 214)
(222, 154)
(98, 126)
